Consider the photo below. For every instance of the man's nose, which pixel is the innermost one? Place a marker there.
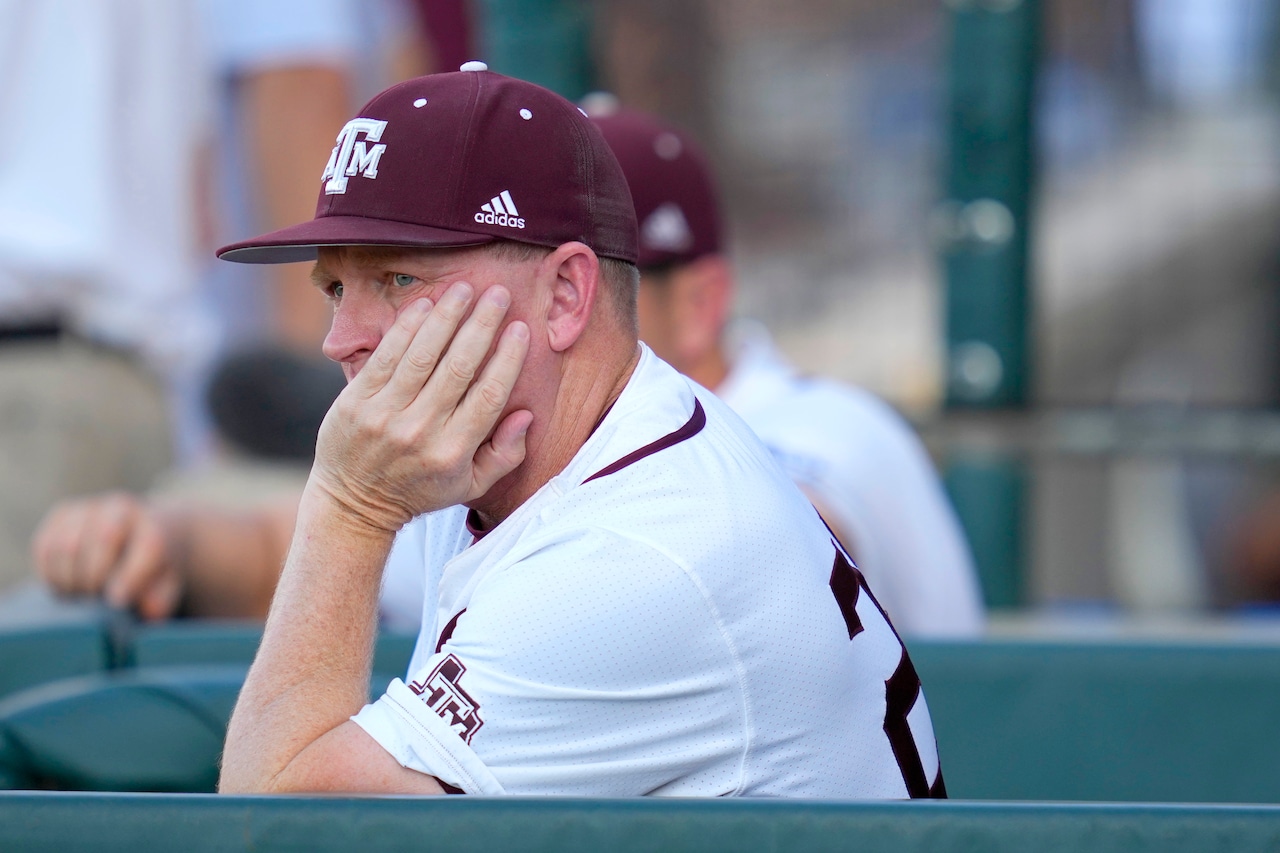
(358, 325)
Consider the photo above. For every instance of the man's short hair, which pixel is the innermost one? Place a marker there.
(621, 278)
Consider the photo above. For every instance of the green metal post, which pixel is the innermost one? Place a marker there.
(984, 226)
(989, 491)
(547, 42)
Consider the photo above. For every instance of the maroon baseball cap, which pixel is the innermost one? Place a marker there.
(671, 184)
(462, 159)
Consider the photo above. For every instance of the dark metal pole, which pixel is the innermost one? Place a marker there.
(547, 42)
(983, 228)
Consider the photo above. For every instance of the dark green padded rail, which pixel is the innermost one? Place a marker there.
(33, 655)
(32, 821)
(148, 729)
(194, 641)
(1014, 720)
(1135, 722)
(157, 729)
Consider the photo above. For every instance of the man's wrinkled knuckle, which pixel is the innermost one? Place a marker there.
(492, 394)
(451, 311)
(404, 437)
(461, 370)
(441, 456)
(368, 418)
(421, 360)
(490, 318)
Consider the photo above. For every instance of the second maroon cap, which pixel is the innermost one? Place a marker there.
(671, 184)
(462, 159)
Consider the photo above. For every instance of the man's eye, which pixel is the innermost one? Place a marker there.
(335, 290)
(404, 279)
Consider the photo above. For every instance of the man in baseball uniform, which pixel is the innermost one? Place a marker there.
(625, 594)
(856, 459)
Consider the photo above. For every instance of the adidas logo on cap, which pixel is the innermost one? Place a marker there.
(666, 229)
(500, 210)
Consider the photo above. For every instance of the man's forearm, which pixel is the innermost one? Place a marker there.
(312, 670)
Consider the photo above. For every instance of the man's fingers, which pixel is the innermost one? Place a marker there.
(501, 454)
(391, 349)
(484, 404)
(466, 353)
(106, 530)
(45, 546)
(487, 397)
(142, 566)
(424, 353)
(58, 545)
(160, 600)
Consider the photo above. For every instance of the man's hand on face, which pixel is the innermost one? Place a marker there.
(414, 431)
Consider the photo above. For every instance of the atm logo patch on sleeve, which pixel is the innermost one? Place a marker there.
(443, 693)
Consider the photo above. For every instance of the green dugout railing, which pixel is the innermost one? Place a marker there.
(197, 823)
(1139, 722)
(33, 655)
(1135, 722)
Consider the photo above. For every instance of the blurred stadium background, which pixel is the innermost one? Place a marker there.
(1048, 231)
(1104, 405)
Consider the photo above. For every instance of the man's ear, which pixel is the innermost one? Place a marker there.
(703, 298)
(572, 276)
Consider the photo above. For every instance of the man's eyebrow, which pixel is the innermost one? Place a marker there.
(320, 275)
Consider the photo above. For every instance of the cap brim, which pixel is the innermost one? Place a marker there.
(300, 242)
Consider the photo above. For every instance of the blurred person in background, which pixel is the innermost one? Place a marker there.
(854, 457)
(286, 74)
(102, 341)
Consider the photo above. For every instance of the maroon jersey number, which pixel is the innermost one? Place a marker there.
(902, 689)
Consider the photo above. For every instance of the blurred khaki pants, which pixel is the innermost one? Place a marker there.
(74, 419)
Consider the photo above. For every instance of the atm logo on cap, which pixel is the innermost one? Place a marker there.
(354, 156)
(500, 210)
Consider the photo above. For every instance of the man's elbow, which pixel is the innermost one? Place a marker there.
(311, 773)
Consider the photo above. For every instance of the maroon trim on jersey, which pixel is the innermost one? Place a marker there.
(449, 789)
(448, 630)
(602, 417)
(846, 585)
(901, 691)
(475, 526)
(696, 422)
(836, 539)
(862, 580)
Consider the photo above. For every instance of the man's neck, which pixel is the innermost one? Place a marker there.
(586, 392)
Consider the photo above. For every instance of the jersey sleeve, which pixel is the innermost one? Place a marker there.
(595, 666)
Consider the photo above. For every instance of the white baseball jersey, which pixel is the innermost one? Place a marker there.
(666, 616)
(867, 468)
